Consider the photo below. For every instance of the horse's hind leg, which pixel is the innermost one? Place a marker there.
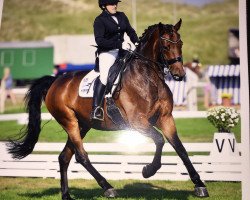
(167, 125)
(70, 124)
(64, 160)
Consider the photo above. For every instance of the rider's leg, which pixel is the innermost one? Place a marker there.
(106, 60)
(97, 111)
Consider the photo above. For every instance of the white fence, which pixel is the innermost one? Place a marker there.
(121, 162)
(22, 118)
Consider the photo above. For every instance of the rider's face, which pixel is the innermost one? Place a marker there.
(112, 9)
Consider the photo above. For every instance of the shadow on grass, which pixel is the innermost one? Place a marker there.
(149, 191)
(138, 190)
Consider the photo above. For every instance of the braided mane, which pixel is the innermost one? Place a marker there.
(150, 30)
(147, 33)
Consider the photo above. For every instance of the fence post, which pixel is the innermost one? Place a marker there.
(1, 11)
(244, 78)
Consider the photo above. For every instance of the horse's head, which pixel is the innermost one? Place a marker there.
(170, 46)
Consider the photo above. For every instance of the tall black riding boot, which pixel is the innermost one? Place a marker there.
(97, 110)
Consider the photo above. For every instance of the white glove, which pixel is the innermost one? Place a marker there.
(133, 47)
(126, 46)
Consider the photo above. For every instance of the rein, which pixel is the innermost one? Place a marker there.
(146, 60)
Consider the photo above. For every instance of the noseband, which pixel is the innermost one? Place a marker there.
(168, 62)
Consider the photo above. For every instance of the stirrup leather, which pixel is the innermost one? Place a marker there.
(98, 113)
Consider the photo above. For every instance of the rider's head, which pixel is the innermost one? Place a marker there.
(108, 5)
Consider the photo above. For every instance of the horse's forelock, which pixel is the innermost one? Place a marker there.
(168, 28)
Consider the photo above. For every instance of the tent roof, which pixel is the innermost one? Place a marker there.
(223, 70)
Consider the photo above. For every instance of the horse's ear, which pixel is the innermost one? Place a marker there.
(178, 25)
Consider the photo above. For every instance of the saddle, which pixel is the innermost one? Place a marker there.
(86, 87)
(115, 73)
(116, 69)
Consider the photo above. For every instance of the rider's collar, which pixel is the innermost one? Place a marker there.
(110, 13)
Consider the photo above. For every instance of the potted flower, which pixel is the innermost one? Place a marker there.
(226, 99)
(224, 119)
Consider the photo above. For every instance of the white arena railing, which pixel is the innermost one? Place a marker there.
(117, 161)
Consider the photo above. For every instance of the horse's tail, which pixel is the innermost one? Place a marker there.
(25, 143)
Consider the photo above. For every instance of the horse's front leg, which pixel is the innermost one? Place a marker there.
(167, 125)
(150, 169)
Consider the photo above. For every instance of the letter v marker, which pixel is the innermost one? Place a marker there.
(232, 145)
(218, 145)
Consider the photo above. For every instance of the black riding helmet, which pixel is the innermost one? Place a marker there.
(107, 2)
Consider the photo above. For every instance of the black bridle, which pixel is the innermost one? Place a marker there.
(168, 62)
(164, 64)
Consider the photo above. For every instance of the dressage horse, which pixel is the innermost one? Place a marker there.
(144, 100)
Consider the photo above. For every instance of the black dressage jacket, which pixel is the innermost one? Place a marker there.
(109, 34)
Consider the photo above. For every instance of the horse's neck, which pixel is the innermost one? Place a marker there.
(147, 64)
(149, 51)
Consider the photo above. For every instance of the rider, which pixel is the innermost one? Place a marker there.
(109, 29)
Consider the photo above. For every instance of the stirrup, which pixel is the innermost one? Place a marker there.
(98, 113)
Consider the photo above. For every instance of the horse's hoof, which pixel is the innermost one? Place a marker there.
(201, 192)
(110, 193)
(150, 170)
(67, 197)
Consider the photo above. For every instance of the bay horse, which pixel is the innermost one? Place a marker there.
(144, 100)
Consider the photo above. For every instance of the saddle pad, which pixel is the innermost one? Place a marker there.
(87, 84)
(86, 87)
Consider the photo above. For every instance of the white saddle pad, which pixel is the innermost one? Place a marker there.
(87, 84)
(86, 87)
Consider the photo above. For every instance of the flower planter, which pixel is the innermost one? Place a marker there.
(226, 101)
(224, 145)
(224, 142)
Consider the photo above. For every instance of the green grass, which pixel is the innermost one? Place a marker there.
(189, 130)
(204, 30)
(48, 189)
(19, 107)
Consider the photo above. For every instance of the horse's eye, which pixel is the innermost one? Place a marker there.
(167, 47)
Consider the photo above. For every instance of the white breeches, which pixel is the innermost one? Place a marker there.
(106, 60)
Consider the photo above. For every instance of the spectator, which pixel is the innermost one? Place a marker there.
(6, 88)
(209, 96)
